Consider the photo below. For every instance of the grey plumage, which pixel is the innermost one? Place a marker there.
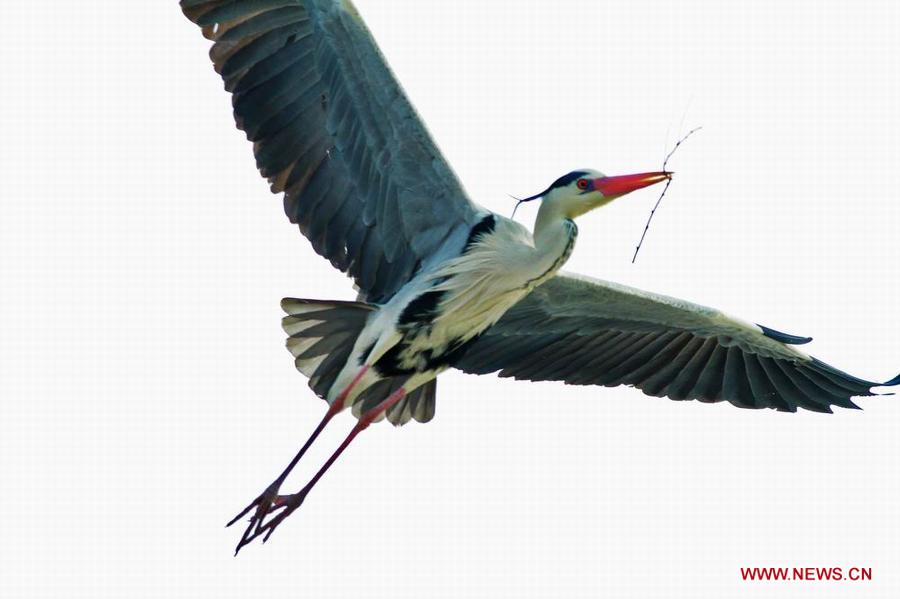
(333, 129)
(441, 281)
(364, 181)
(321, 335)
(587, 332)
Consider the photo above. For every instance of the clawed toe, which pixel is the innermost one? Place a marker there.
(268, 503)
(287, 503)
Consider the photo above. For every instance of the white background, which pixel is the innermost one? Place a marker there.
(147, 396)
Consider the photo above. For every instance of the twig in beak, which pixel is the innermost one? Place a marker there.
(668, 182)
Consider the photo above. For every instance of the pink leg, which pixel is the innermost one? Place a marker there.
(291, 502)
(266, 501)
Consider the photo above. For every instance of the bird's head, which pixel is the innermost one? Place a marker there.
(583, 190)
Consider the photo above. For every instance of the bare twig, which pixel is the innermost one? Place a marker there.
(668, 182)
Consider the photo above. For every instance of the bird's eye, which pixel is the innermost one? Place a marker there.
(582, 184)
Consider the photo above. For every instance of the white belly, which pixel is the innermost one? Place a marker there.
(470, 293)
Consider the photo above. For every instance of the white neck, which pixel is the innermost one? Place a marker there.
(549, 224)
(553, 232)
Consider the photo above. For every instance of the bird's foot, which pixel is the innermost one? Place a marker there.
(269, 502)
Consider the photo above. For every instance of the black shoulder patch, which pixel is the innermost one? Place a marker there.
(422, 308)
(484, 227)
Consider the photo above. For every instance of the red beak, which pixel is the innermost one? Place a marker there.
(613, 187)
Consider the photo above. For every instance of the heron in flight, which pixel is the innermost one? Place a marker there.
(443, 282)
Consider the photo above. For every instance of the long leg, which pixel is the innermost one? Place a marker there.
(265, 502)
(289, 503)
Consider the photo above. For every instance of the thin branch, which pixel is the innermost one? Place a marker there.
(661, 195)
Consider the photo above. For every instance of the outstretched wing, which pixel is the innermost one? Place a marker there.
(590, 332)
(332, 128)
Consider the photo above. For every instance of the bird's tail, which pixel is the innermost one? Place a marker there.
(321, 336)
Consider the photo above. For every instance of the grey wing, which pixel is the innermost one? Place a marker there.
(332, 128)
(589, 332)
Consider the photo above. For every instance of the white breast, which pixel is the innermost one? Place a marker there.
(498, 270)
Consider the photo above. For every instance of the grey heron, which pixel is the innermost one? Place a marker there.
(443, 282)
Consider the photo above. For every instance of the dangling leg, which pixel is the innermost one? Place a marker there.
(289, 503)
(265, 502)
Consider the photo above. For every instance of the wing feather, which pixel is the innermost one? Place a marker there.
(735, 382)
(588, 332)
(681, 388)
(333, 129)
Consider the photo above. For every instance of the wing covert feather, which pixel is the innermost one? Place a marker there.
(589, 332)
(332, 129)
